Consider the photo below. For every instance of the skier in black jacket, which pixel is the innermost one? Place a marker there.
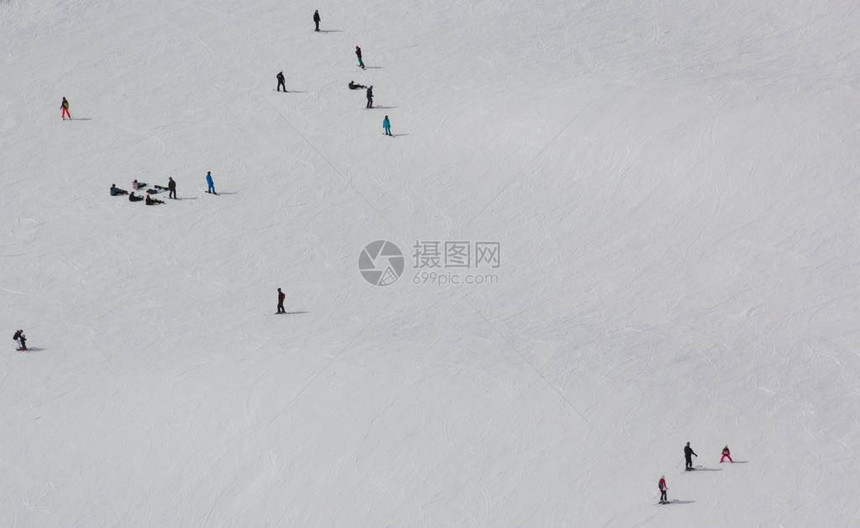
(688, 456)
(21, 339)
(360, 60)
(370, 96)
(281, 297)
(281, 82)
(171, 187)
(317, 19)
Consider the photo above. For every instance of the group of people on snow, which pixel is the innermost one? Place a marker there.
(386, 122)
(688, 466)
(148, 195)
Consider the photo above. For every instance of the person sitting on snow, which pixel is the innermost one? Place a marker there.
(353, 86)
(152, 201)
(134, 198)
(116, 191)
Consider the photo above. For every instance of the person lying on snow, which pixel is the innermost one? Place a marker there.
(353, 86)
(116, 191)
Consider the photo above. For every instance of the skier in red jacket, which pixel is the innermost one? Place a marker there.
(726, 454)
(663, 487)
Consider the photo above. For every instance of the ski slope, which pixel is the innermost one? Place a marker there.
(673, 186)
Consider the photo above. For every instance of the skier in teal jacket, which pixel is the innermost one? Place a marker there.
(386, 125)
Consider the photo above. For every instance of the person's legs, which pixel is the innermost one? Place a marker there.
(317, 24)
(66, 113)
(663, 497)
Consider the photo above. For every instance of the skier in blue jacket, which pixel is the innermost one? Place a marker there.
(386, 125)
(210, 183)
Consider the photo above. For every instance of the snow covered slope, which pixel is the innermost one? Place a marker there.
(673, 186)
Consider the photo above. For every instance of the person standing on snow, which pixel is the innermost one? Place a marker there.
(726, 454)
(65, 108)
(386, 125)
(663, 488)
(317, 19)
(281, 297)
(358, 54)
(281, 82)
(171, 187)
(688, 456)
(21, 339)
(210, 183)
(370, 96)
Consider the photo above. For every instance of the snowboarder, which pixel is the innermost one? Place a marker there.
(134, 198)
(726, 454)
(370, 96)
(171, 187)
(663, 488)
(65, 108)
(317, 19)
(152, 201)
(353, 86)
(358, 54)
(210, 183)
(21, 339)
(281, 82)
(281, 297)
(688, 456)
(386, 125)
(136, 185)
(116, 191)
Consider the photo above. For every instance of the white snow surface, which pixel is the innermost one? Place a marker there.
(674, 186)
